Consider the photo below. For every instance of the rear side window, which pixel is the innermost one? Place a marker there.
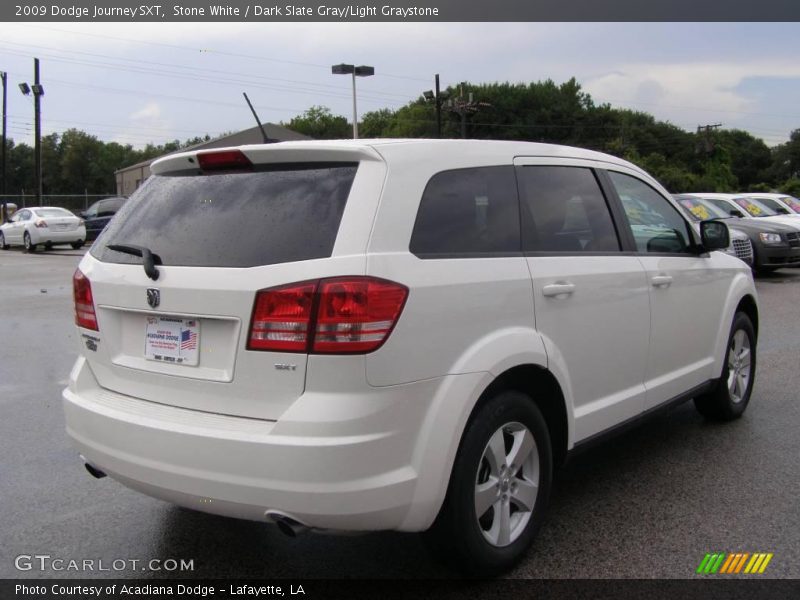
(564, 210)
(468, 213)
(273, 215)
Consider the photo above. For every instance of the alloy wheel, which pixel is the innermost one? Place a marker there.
(739, 365)
(507, 484)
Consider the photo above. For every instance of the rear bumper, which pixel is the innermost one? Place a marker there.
(58, 237)
(314, 465)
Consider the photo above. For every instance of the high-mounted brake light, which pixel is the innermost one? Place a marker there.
(84, 302)
(339, 315)
(223, 160)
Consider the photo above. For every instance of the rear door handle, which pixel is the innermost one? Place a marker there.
(661, 280)
(558, 289)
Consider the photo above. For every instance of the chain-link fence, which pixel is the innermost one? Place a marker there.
(74, 202)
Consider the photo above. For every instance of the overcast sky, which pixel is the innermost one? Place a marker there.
(151, 82)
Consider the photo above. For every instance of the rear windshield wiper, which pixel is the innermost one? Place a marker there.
(149, 260)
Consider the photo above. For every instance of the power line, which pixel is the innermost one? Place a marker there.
(173, 75)
(188, 67)
(207, 50)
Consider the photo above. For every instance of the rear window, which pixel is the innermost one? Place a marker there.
(53, 212)
(283, 213)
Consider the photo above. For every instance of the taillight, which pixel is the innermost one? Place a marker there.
(356, 314)
(40, 224)
(223, 160)
(84, 303)
(339, 315)
(282, 318)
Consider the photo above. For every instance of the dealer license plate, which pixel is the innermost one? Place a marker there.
(172, 340)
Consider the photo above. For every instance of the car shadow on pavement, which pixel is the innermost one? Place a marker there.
(225, 548)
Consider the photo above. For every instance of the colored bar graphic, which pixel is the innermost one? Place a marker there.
(703, 563)
(764, 564)
(741, 562)
(732, 563)
(728, 562)
(718, 562)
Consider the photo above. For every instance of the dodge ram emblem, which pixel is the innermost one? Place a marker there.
(153, 297)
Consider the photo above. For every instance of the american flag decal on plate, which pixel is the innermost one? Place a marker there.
(188, 339)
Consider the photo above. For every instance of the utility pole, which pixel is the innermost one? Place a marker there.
(3, 208)
(38, 92)
(463, 106)
(438, 97)
(708, 143)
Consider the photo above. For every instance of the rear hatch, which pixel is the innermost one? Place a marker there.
(218, 235)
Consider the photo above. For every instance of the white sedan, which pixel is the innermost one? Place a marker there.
(43, 226)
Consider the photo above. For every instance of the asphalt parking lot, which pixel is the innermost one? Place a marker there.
(647, 504)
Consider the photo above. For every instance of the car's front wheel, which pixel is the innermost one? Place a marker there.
(498, 489)
(3, 244)
(731, 394)
(29, 246)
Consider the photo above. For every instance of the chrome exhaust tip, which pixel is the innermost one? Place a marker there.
(93, 471)
(286, 524)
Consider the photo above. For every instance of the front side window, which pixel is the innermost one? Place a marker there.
(468, 213)
(564, 210)
(656, 224)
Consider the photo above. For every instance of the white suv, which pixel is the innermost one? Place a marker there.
(396, 334)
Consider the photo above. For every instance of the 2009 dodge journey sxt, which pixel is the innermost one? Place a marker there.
(396, 334)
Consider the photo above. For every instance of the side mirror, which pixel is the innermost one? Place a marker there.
(735, 213)
(782, 211)
(714, 235)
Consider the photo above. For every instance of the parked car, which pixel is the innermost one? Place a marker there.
(775, 245)
(46, 226)
(740, 246)
(780, 203)
(99, 214)
(395, 334)
(746, 206)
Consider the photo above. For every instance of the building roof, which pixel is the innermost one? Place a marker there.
(239, 138)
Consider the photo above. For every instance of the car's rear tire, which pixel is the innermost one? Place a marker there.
(731, 394)
(3, 244)
(29, 246)
(77, 245)
(503, 470)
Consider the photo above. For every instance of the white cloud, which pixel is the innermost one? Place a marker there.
(149, 112)
(687, 92)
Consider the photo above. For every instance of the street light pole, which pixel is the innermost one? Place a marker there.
(4, 78)
(355, 109)
(37, 103)
(38, 92)
(354, 71)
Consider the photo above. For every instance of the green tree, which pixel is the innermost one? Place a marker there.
(319, 123)
(750, 157)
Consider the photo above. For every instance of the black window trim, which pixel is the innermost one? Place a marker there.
(631, 242)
